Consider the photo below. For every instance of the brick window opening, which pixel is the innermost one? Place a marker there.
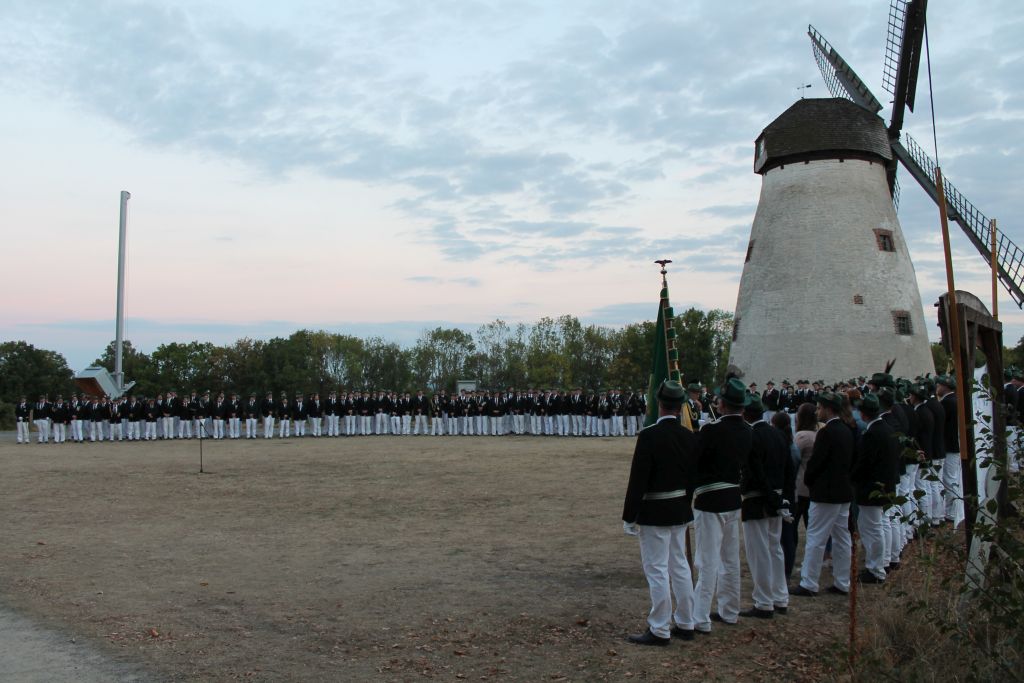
(901, 322)
(858, 299)
(735, 328)
(884, 240)
(750, 250)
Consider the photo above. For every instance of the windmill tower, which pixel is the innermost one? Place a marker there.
(828, 289)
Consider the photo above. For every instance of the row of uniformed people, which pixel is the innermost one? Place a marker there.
(356, 413)
(741, 471)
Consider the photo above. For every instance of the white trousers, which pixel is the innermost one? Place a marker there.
(116, 431)
(23, 432)
(234, 427)
(631, 425)
(396, 424)
(717, 561)
(952, 488)
(59, 432)
(350, 425)
(218, 428)
(420, 424)
(135, 431)
(406, 424)
(168, 425)
(453, 425)
(76, 431)
(185, 429)
(824, 520)
(894, 529)
(381, 424)
(762, 541)
(367, 424)
(663, 555)
(150, 431)
(43, 427)
(909, 507)
(317, 427)
(285, 427)
(300, 427)
(519, 424)
(872, 535)
(437, 426)
(333, 422)
(268, 426)
(921, 483)
(617, 423)
(250, 427)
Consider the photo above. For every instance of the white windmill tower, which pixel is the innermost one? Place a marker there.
(828, 290)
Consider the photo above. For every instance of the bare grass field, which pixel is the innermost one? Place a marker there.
(454, 558)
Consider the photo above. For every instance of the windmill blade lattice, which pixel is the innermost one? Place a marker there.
(893, 45)
(840, 78)
(978, 228)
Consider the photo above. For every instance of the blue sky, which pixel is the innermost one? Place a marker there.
(383, 168)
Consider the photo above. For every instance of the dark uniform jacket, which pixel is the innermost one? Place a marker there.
(924, 429)
(828, 470)
(663, 460)
(938, 429)
(877, 465)
(765, 472)
(724, 448)
(951, 428)
(21, 412)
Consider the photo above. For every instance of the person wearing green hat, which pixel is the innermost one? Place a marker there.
(828, 478)
(657, 509)
(724, 446)
(767, 469)
(924, 428)
(875, 475)
(952, 509)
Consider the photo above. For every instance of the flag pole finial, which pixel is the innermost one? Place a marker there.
(664, 270)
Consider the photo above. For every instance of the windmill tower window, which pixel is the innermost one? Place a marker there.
(750, 250)
(901, 322)
(735, 328)
(884, 240)
(858, 299)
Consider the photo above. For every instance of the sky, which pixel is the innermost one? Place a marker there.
(383, 168)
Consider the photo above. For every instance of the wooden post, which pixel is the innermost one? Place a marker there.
(995, 272)
(954, 320)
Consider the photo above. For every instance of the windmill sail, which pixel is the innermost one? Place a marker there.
(903, 57)
(978, 228)
(840, 78)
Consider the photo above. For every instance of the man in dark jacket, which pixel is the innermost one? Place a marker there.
(875, 474)
(724, 448)
(762, 481)
(657, 509)
(924, 433)
(945, 390)
(828, 478)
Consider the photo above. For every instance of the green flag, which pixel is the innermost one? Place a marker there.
(665, 362)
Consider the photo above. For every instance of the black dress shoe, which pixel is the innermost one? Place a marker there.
(893, 566)
(759, 613)
(781, 610)
(835, 590)
(802, 592)
(648, 638)
(682, 633)
(715, 616)
(867, 577)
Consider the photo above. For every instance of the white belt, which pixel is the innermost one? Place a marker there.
(757, 494)
(665, 495)
(718, 486)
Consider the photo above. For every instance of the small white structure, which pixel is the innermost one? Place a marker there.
(97, 381)
(828, 290)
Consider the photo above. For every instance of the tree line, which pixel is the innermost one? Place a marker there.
(557, 352)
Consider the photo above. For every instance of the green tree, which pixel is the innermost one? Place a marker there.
(183, 367)
(137, 367)
(440, 357)
(26, 370)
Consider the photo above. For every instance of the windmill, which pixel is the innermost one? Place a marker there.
(828, 289)
(899, 78)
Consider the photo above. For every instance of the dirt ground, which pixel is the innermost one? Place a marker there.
(379, 558)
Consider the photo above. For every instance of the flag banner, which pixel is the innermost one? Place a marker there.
(665, 361)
